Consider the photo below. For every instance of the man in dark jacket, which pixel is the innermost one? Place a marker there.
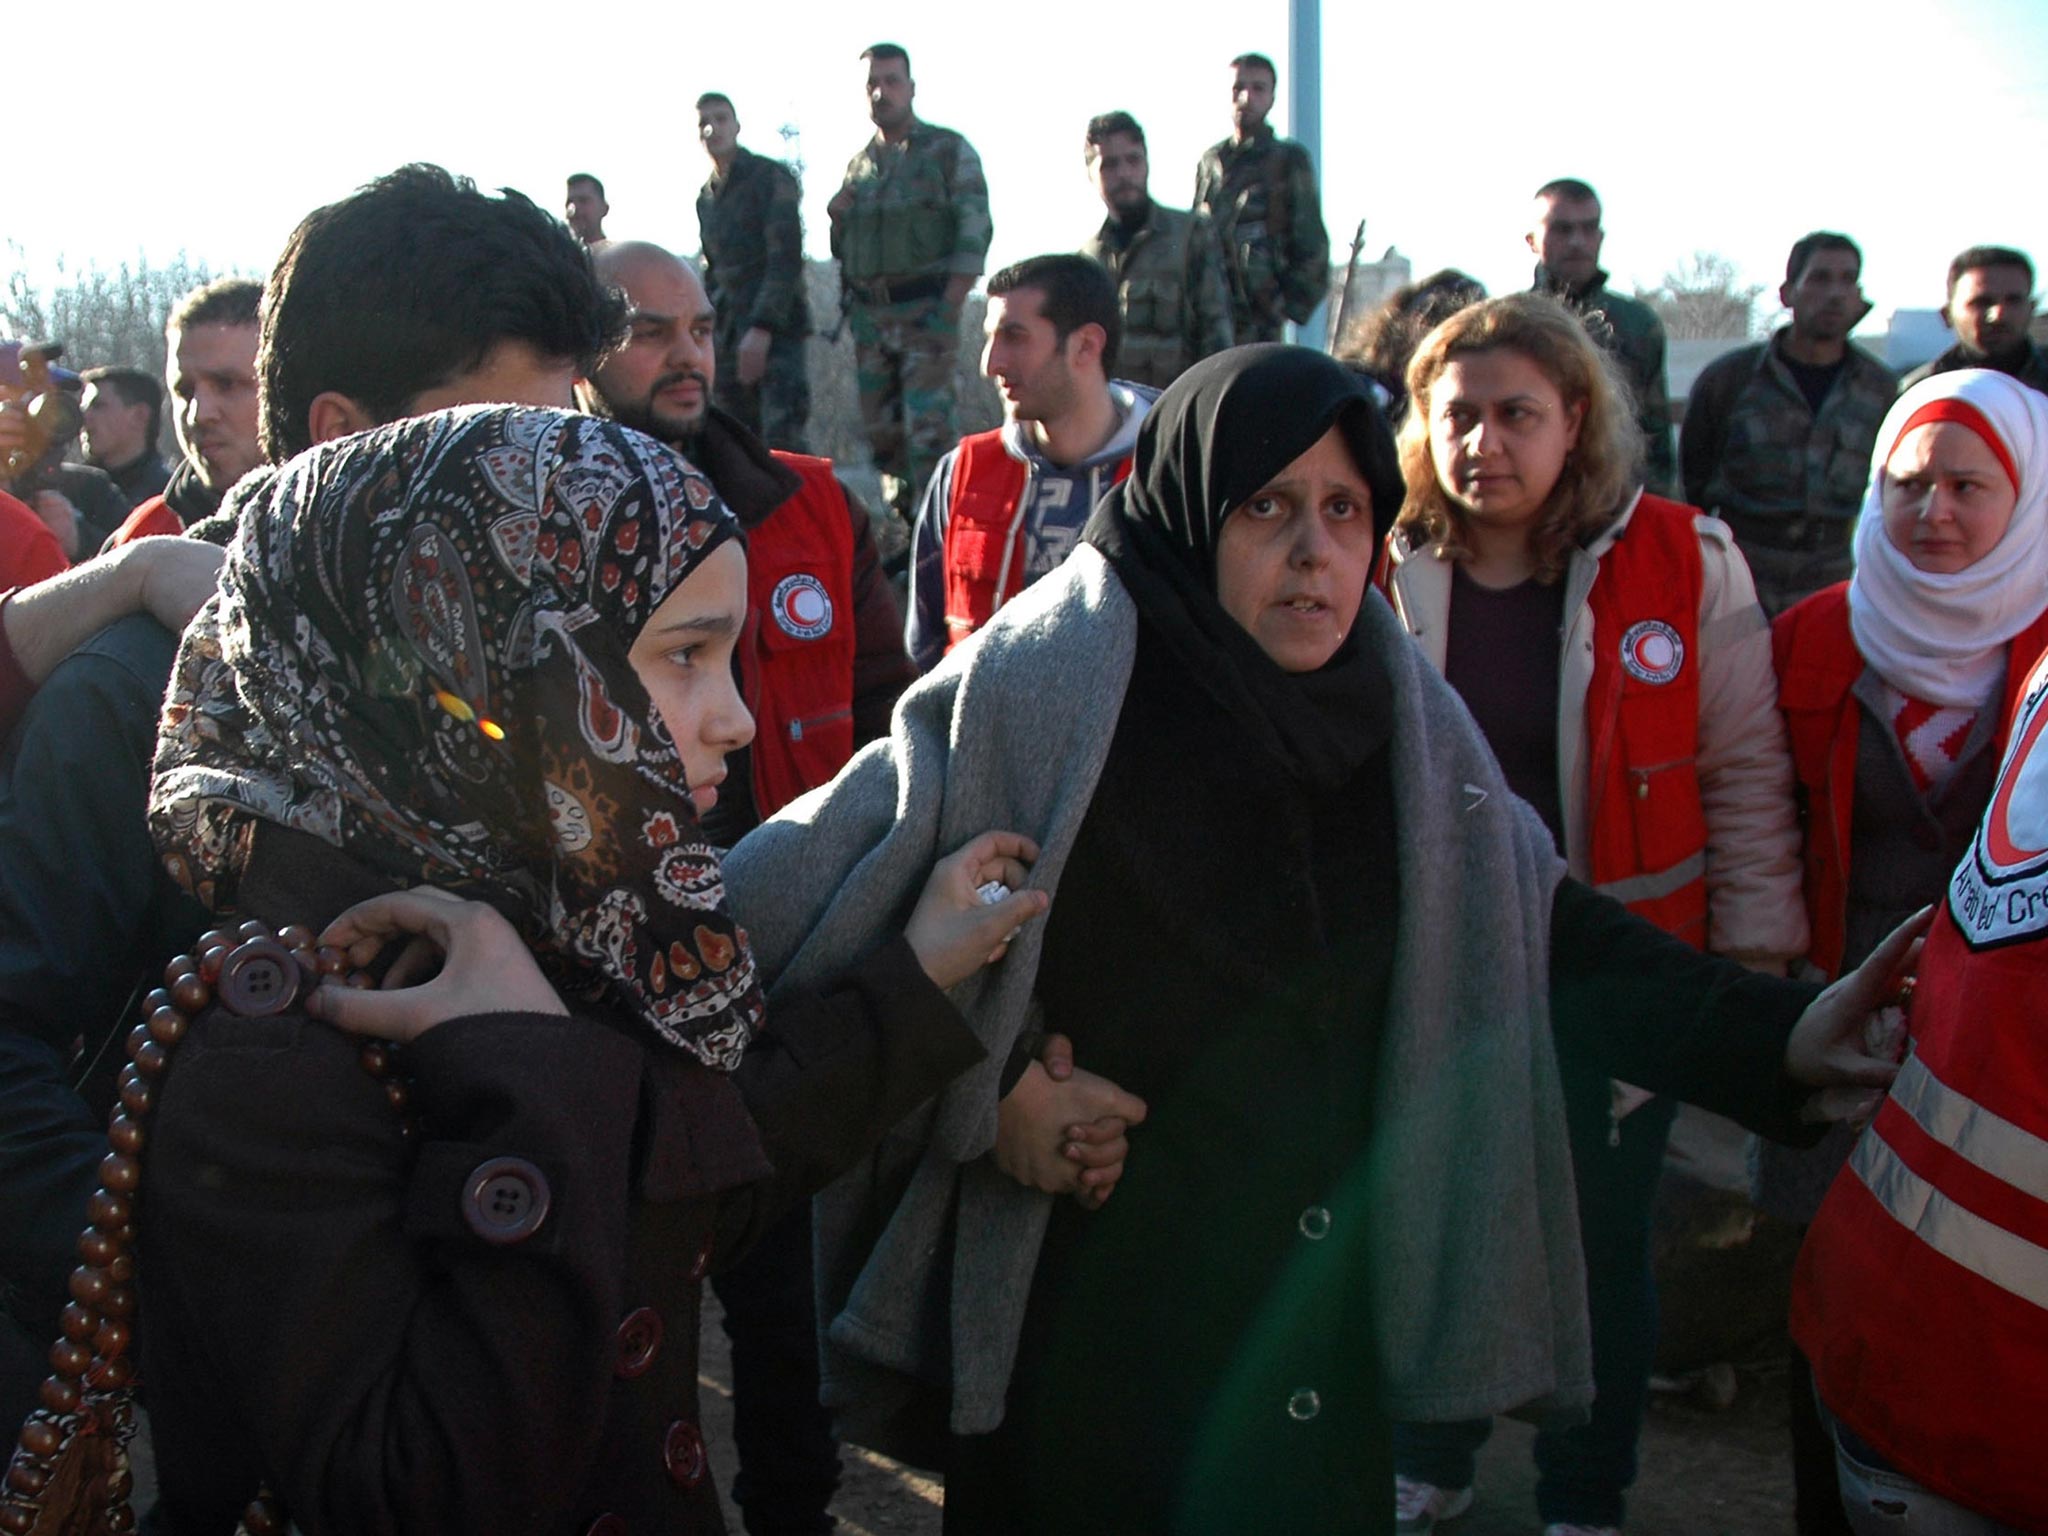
(1166, 266)
(823, 644)
(1778, 435)
(1990, 306)
(86, 910)
(753, 238)
(1565, 237)
(123, 412)
(1260, 192)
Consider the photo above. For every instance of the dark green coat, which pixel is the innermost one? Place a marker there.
(753, 239)
(1261, 197)
(1631, 331)
(1753, 447)
(2031, 369)
(914, 209)
(1172, 292)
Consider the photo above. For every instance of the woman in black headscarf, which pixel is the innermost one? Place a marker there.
(487, 651)
(1299, 913)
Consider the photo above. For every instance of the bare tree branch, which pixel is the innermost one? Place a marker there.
(1703, 299)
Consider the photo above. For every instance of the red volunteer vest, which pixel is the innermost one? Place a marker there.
(1818, 664)
(1649, 832)
(149, 519)
(798, 660)
(1921, 1295)
(985, 533)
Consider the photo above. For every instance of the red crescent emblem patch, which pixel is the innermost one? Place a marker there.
(1652, 651)
(801, 607)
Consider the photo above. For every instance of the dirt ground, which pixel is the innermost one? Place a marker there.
(1704, 1472)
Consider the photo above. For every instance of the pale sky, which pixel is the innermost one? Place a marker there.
(1917, 127)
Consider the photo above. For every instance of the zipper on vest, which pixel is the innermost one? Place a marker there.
(1642, 775)
(830, 717)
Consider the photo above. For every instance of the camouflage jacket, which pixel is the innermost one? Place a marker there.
(914, 209)
(1753, 448)
(753, 237)
(1630, 330)
(1261, 197)
(2032, 369)
(1170, 287)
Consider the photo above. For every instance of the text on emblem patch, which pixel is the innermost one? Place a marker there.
(1652, 652)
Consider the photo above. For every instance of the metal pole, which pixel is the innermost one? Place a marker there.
(1305, 115)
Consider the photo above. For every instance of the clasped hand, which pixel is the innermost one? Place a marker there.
(1065, 1131)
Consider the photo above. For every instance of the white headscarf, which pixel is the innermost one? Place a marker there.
(1942, 638)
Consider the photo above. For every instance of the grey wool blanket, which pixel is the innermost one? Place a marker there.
(925, 1252)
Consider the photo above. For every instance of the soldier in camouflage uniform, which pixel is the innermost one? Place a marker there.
(753, 239)
(1165, 264)
(1259, 192)
(910, 227)
(1566, 239)
(1778, 436)
(1990, 306)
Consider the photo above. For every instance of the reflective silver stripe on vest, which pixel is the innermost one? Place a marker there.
(2005, 1151)
(1661, 884)
(1982, 1247)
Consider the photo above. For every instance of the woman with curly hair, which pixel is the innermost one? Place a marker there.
(1610, 646)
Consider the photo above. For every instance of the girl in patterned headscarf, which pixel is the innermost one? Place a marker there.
(490, 651)
(422, 652)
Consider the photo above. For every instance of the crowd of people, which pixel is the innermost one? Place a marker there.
(1168, 1012)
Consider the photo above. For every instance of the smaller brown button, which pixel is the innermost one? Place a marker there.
(258, 978)
(683, 1454)
(700, 1266)
(606, 1525)
(639, 1341)
(505, 1200)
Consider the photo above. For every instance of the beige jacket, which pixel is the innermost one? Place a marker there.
(1754, 910)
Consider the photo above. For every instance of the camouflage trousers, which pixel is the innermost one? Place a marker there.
(777, 409)
(906, 354)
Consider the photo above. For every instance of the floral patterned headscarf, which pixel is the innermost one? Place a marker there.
(419, 653)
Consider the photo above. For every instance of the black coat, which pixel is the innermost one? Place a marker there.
(351, 1315)
(1197, 1356)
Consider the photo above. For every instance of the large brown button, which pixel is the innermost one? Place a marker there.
(639, 1341)
(257, 979)
(606, 1525)
(505, 1200)
(683, 1454)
